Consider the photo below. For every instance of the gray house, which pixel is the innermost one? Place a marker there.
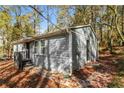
(60, 51)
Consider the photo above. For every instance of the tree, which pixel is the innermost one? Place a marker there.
(14, 25)
(116, 17)
(64, 18)
(6, 29)
(122, 15)
(81, 15)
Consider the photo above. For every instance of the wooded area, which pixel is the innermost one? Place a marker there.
(17, 22)
(107, 21)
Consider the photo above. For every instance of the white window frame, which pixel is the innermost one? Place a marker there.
(42, 47)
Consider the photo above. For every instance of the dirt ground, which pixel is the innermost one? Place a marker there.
(103, 73)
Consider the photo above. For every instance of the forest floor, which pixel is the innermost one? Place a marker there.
(108, 71)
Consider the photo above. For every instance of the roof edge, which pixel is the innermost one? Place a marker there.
(79, 26)
(50, 34)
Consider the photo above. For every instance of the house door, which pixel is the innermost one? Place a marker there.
(88, 50)
(27, 50)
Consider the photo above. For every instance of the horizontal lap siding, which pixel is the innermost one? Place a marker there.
(79, 49)
(93, 45)
(59, 54)
(82, 51)
(56, 56)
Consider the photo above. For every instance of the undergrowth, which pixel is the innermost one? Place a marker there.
(117, 81)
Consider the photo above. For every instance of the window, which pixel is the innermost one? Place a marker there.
(43, 47)
(36, 47)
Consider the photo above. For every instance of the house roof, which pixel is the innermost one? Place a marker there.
(41, 36)
(49, 34)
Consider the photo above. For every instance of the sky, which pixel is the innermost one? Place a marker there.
(43, 24)
(53, 11)
(52, 15)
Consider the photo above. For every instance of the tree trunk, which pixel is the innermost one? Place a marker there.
(101, 33)
(3, 48)
(123, 19)
(117, 28)
(35, 20)
(109, 34)
(116, 23)
(93, 17)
